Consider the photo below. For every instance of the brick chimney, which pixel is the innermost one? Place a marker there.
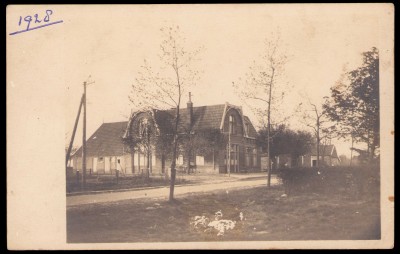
(190, 110)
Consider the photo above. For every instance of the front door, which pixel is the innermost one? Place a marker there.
(234, 159)
(107, 165)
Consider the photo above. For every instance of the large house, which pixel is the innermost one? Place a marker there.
(328, 157)
(131, 147)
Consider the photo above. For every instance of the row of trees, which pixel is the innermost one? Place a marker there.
(352, 110)
(286, 141)
(353, 106)
(350, 113)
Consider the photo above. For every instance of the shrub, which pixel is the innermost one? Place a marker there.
(354, 181)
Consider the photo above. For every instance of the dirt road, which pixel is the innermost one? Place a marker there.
(162, 192)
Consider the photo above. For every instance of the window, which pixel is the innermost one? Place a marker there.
(254, 157)
(247, 128)
(248, 156)
(142, 127)
(200, 160)
(179, 160)
(153, 159)
(233, 152)
(142, 160)
(118, 160)
(225, 158)
(232, 124)
(314, 163)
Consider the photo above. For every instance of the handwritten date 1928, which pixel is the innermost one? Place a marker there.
(28, 19)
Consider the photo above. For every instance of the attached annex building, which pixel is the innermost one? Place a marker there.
(107, 149)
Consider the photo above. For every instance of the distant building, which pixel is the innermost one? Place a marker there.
(328, 157)
(108, 144)
(283, 161)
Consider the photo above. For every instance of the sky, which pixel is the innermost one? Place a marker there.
(110, 44)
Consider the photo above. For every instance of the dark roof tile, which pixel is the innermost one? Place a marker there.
(106, 140)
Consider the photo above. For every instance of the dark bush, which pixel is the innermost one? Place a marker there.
(354, 181)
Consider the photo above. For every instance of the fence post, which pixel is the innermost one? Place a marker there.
(117, 174)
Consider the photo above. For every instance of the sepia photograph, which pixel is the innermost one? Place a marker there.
(195, 126)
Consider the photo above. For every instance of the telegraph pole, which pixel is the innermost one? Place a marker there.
(73, 133)
(84, 136)
(229, 150)
(148, 149)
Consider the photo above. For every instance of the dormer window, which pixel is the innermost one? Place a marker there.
(232, 124)
(247, 126)
(143, 127)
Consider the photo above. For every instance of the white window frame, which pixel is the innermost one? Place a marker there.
(179, 160)
(199, 160)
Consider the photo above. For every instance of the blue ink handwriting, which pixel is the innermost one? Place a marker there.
(36, 20)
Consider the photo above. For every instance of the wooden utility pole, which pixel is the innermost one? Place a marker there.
(148, 149)
(269, 130)
(228, 157)
(73, 133)
(84, 136)
(229, 150)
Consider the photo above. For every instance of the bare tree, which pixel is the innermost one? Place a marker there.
(315, 118)
(261, 90)
(164, 88)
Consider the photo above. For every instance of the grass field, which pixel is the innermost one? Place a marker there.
(267, 216)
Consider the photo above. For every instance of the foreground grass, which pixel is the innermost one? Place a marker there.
(268, 216)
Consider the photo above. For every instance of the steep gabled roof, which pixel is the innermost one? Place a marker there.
(204, 117)
(325, 150)
(207, 117)
(252, 131)
(164, 120)
(105, 141)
